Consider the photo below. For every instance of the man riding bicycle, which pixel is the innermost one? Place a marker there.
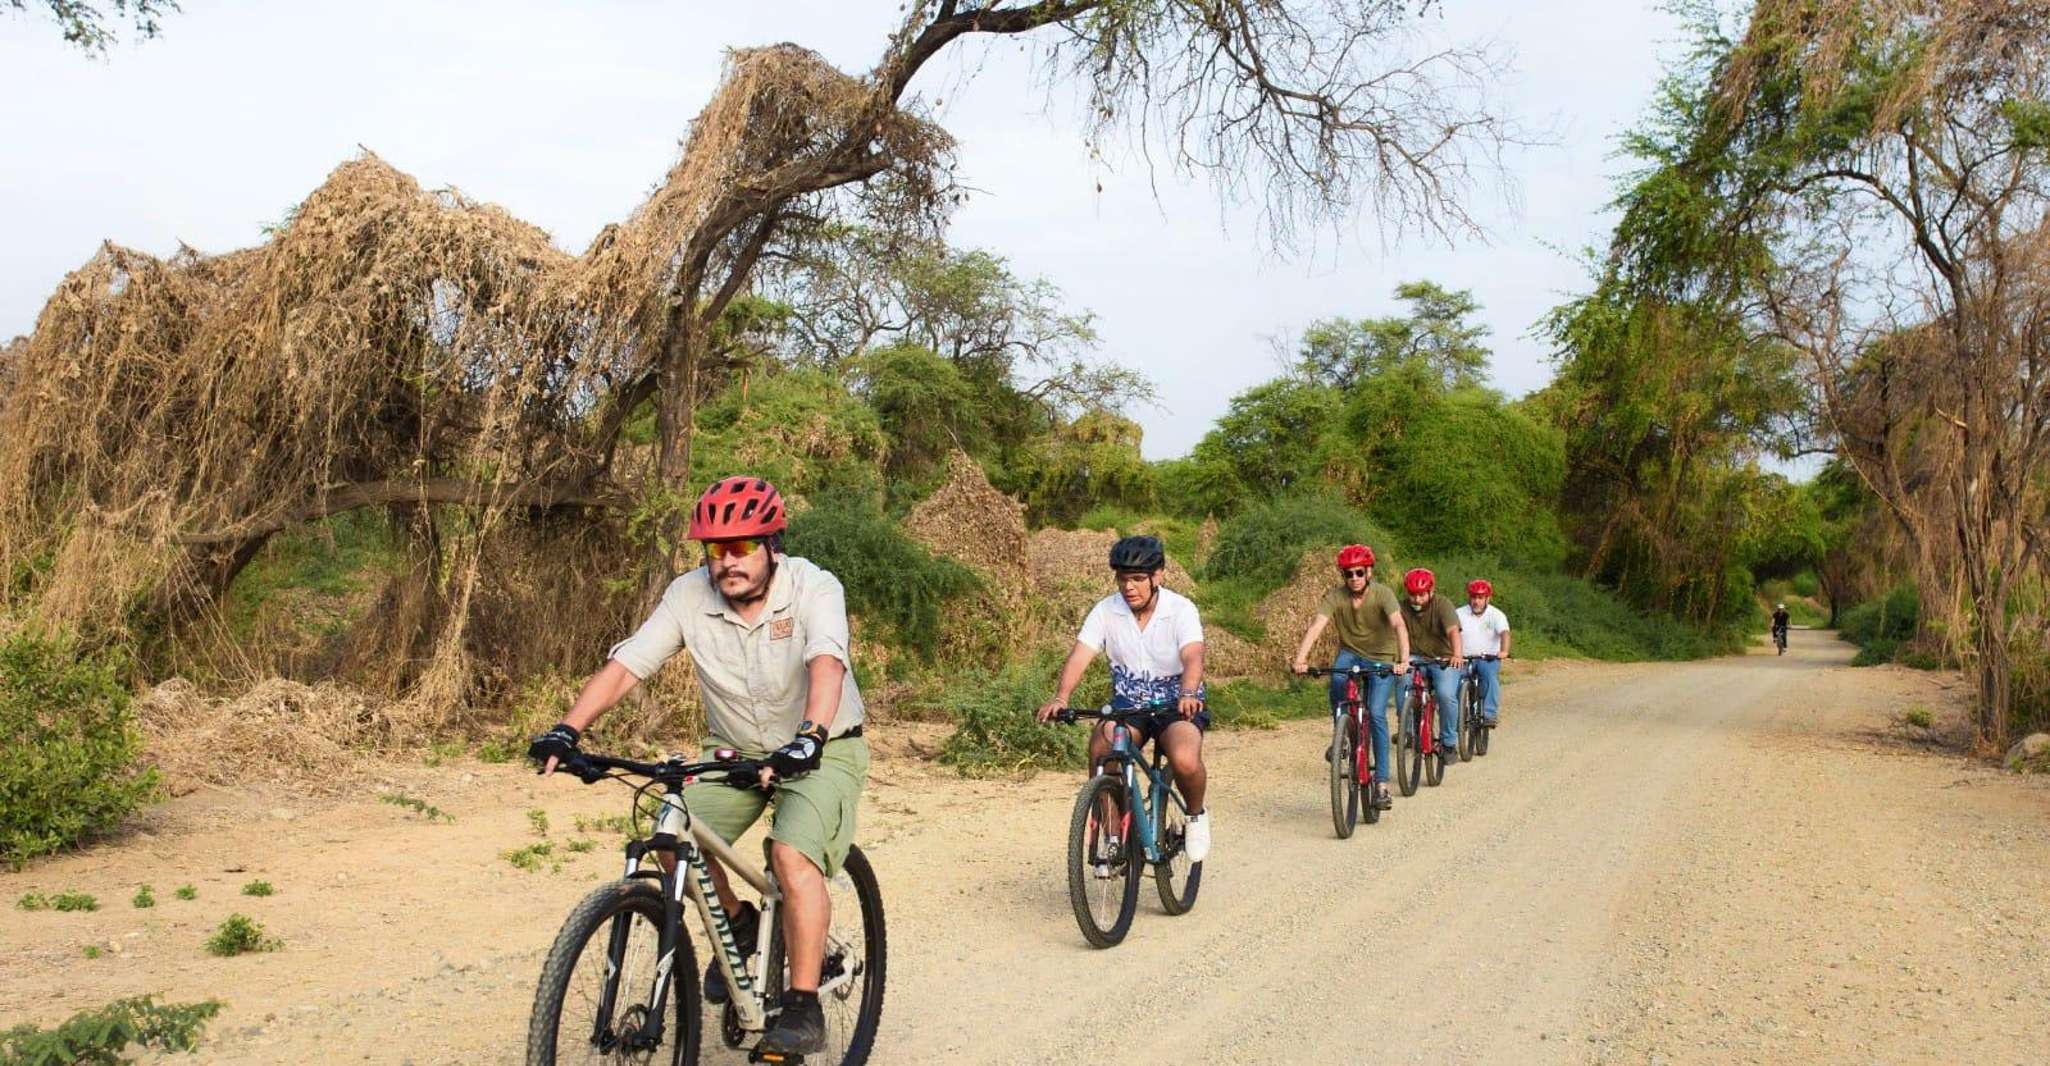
(767, 636)
(1371, 633)
(1484, 630)
(1434, 634)
(1780, 621)
(1154, 637)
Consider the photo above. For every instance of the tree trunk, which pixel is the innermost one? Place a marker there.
(676, 389)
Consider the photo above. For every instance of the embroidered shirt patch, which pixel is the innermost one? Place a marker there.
(781, 628)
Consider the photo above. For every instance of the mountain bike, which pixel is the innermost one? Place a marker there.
(1418, 757)
(620, 983)
(1474, 729)
(1107, 846)
(1779, 639)
(1352, 750)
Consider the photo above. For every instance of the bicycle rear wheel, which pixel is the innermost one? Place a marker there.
(1104, 902)
(1345, 785)
(613, 938)
(1364, 783)
(1409, 755)
(851, 975)
(1176, 877)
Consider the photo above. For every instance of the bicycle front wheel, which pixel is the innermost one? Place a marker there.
(851, 974)
(1409, 756)
(1175, 876)
(1103, 872)
(592, 1000)
(1345, 786)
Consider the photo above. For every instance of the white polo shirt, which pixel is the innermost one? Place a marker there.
(1481, 634)
(1145, 665)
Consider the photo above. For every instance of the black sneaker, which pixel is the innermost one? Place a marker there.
(746, 925)
(800, 1028)
(1447, 755)
(1382, 800)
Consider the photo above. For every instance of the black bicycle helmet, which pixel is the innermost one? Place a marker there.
(1138, 553)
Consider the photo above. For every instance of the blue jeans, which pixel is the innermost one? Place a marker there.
(1445, 682)
(1378, 691)
(1487, 675)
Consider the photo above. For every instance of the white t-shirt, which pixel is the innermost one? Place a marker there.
(1481, 634)
(1145, 666)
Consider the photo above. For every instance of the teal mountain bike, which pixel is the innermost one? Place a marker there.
(1119, 828)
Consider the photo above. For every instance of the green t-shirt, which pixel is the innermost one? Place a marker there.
(1428, 625)
(1365, 628)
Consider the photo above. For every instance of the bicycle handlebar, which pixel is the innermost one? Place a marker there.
(590, 768)
(1350, 671)
(1068, 715)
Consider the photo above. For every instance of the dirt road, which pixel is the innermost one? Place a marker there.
(1740, 860)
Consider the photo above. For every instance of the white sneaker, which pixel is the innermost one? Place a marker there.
(1197, 844)
(1104, 870)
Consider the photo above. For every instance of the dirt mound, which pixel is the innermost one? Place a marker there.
(305, 735)
(1286, 612)
(967, 520)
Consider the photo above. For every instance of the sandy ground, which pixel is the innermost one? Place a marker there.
(1740, 860)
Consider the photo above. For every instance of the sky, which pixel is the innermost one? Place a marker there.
(568, 114)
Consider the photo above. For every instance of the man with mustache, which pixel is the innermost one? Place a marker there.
(767, 635)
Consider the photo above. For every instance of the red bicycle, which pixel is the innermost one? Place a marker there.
(1418, 758)
(1352, 752)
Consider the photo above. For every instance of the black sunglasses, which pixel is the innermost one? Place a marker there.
(1362, 572)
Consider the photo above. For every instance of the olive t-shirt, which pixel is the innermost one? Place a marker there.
(1427, 625)
(1366, 628)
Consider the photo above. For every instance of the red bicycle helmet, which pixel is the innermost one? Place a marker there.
(1419, 582)
(1353, 555)
(737, 508)
(1479, 587)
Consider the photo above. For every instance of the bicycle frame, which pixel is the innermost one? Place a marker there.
(1122, 751)
(1420, 689)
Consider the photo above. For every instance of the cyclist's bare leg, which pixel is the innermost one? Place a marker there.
(1182, 743)
(807, 913)
(1100, 740)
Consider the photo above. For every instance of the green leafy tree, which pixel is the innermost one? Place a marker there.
(86, 23)
(1437, 334)
(1091, 461)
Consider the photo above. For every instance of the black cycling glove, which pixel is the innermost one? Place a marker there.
(560, 742)
(800, 756)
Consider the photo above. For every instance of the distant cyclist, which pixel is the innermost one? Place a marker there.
(1434, 634)
(1154, 637)
(1484, 630)
(1370, 633)
(1780, 619)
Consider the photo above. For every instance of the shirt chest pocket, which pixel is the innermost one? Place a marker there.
(776, 655)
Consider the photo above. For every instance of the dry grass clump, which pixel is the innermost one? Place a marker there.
(304, 735)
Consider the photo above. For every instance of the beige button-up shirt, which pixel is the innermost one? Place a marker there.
(752, 676)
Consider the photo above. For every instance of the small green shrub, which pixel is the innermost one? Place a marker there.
(532, 857)
(582, 845)
(994, 730)
(1919, 717)
(144, 898)
(73, 770)
(1880, 626)
(417, 806)
(91, 951)
(186, 892)
(888, 577)
(74, 901)
(32, 901)
(98, 1037)
(538, 819)
(239, 934)
(259, 888)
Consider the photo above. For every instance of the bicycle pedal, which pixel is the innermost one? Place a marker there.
(775, 1057)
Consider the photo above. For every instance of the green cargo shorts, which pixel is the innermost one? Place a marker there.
(814, 813)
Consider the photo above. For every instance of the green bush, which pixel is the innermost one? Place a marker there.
(71, 769)
(1262, 543)
(1879, 627)
(259, 888)
(97, 1037)
(239, 934)
(889, 577)
(994, 730)
(1247, 704)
